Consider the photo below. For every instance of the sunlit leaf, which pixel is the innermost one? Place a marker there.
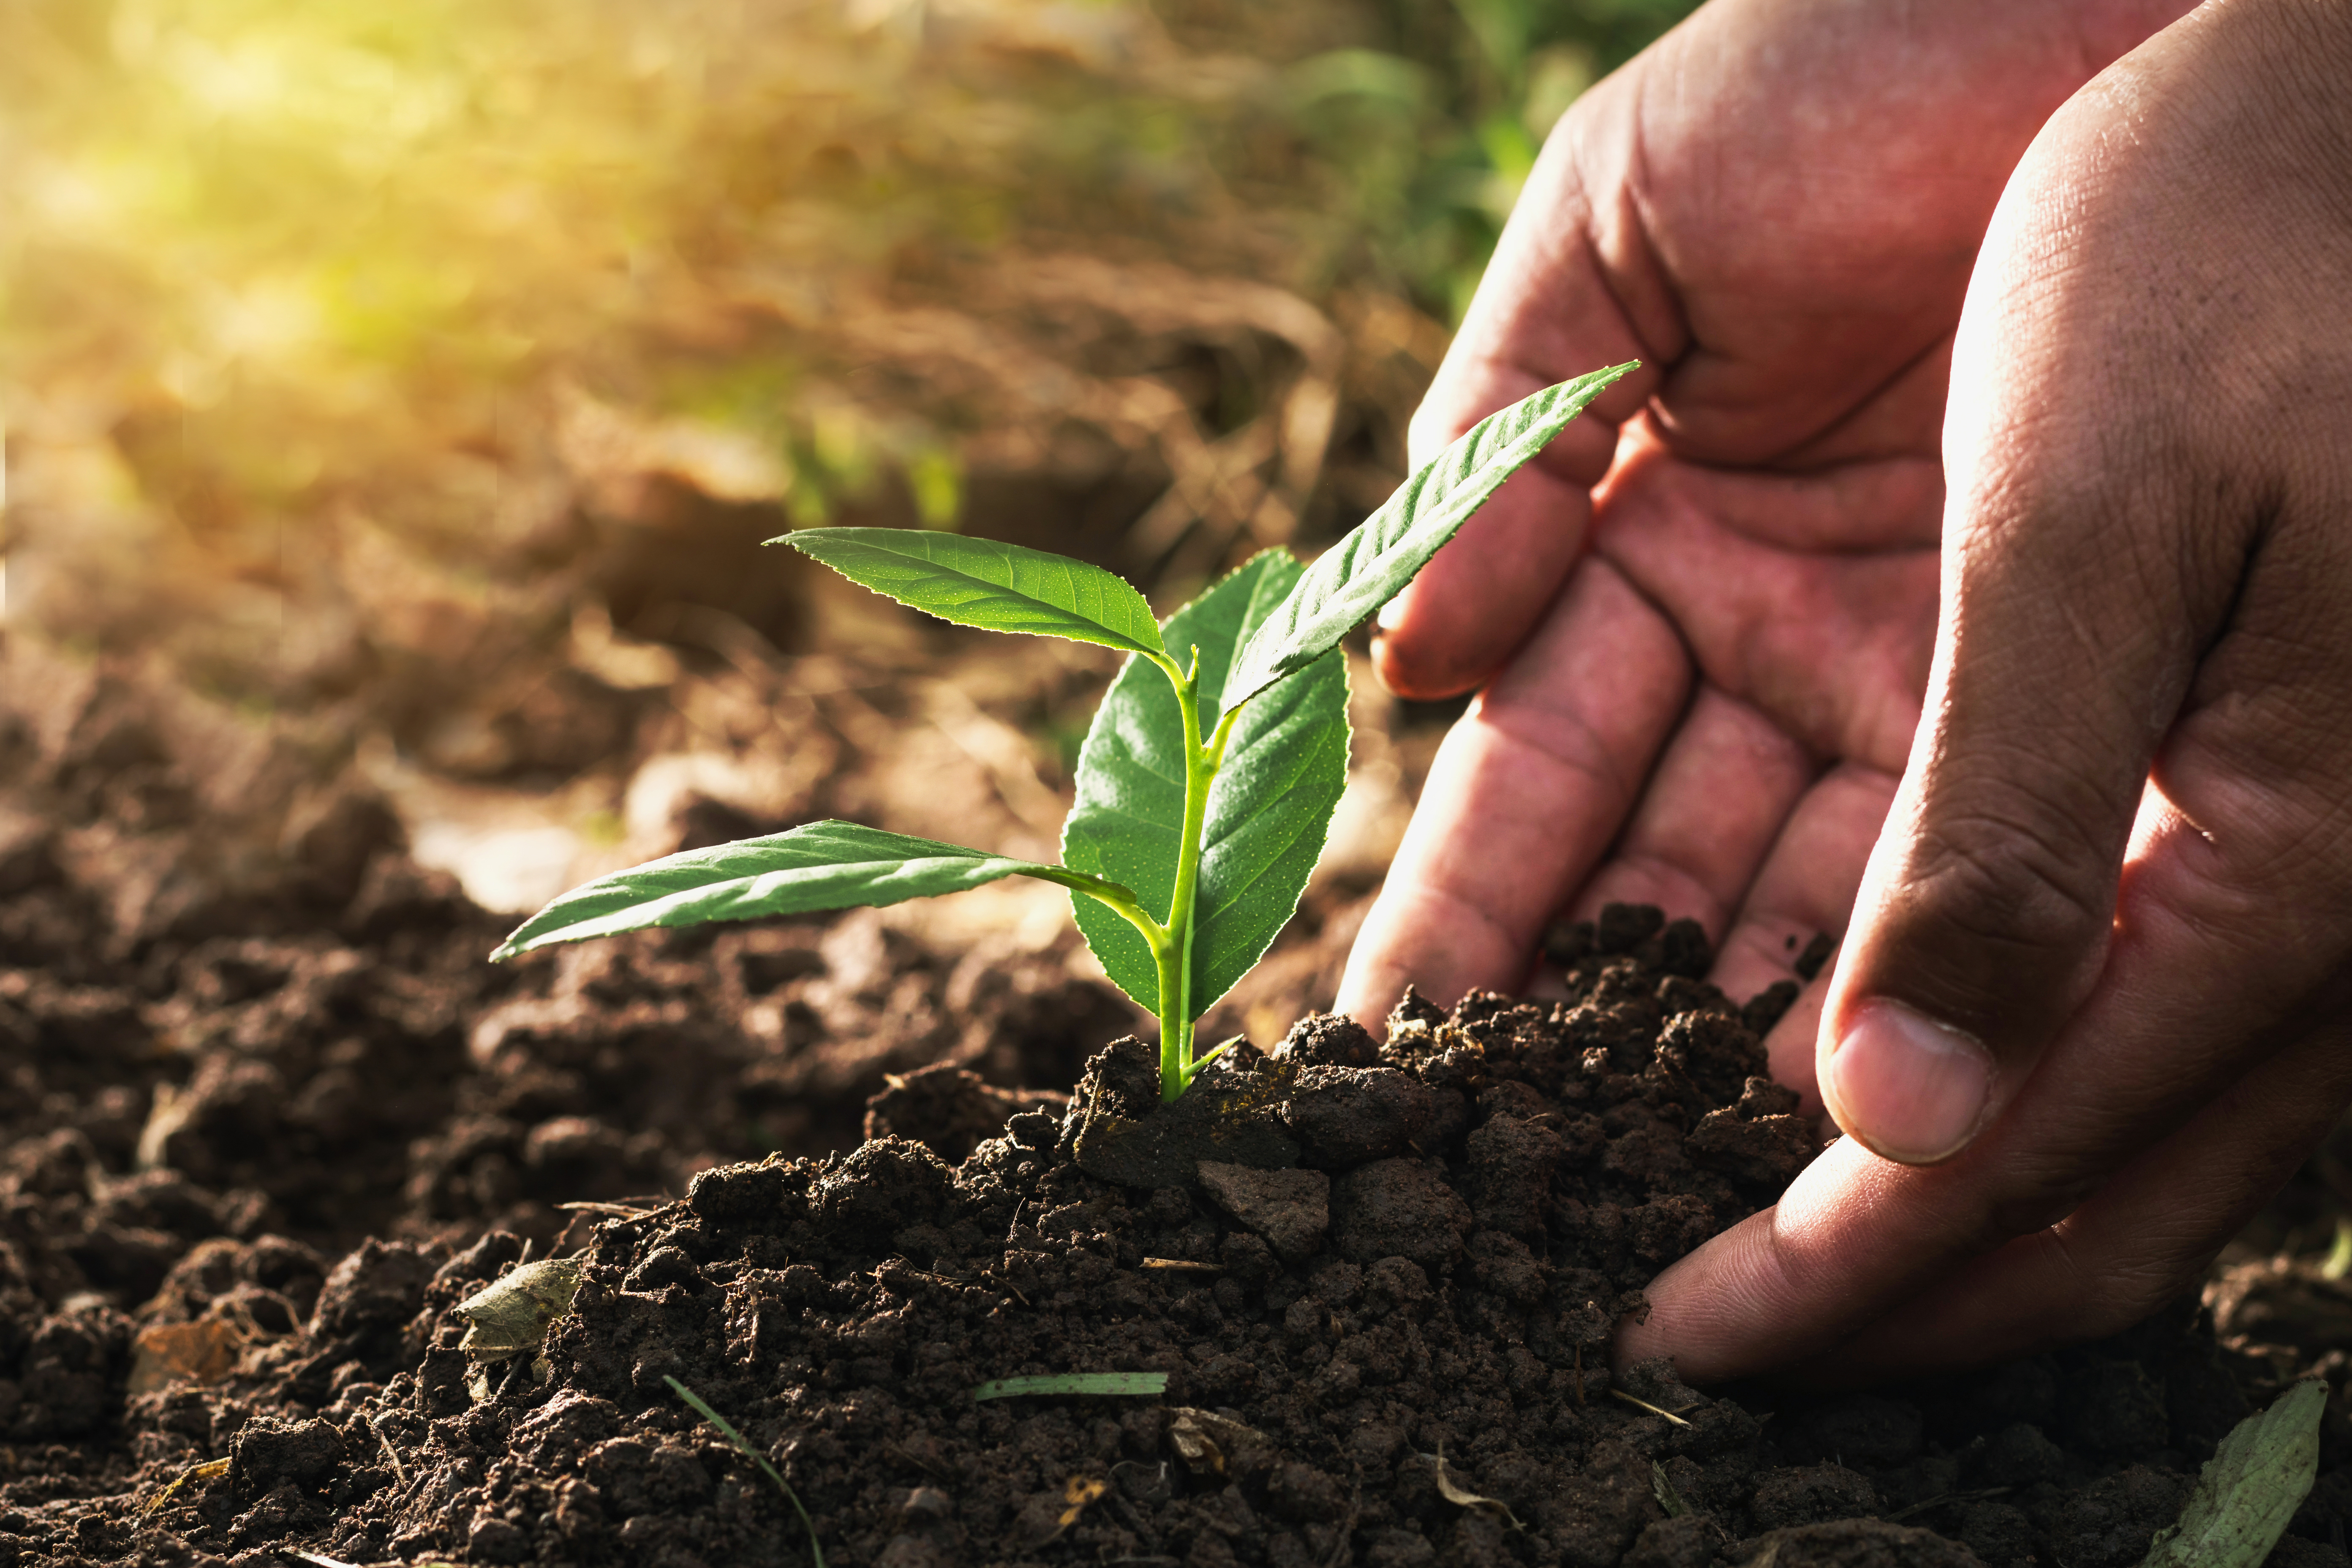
(823, 866)
(1373, 564)
(982, 583)
(2250, 1488)
(1268, 811)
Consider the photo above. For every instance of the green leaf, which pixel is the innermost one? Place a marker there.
(1664, 1490)
(2250, 1488)
(1285, 764)
(1144, 1383)
(823, 866)
(982, 583)
(1364, 571)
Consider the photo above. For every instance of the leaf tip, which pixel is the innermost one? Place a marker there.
(517, 943)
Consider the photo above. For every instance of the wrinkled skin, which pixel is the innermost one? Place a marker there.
(2095, 526)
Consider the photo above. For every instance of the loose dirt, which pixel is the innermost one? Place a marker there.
(1382, 1299)
(271, 1120)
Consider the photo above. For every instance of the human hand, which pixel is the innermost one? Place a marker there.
(1776, 210)
(2094, 990)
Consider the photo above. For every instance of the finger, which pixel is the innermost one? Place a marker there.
(1546, 311)
(2229, 945)
(2079, 582)
(1720, 794)
(1783, 603)
(1789, 1046)
(1454, 625)
(2142, 1239)
(1807, 884)
(1524, 796)
(1805, 888)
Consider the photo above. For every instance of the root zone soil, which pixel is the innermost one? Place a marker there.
(1381, 1283)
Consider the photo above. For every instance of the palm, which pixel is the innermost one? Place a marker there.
(1717, 621)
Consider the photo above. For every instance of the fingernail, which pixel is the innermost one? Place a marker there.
(1912, 1089)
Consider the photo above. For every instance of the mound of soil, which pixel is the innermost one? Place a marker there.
(1381, 1284)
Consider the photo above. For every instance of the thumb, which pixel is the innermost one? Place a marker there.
(2080, 575)
(1982, 919)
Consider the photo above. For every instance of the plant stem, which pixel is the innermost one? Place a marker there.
(1176, 956)
(1173, 954)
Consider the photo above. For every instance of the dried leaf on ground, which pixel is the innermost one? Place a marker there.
(203, 1351)
(512, 1315)
(1461, 1497)
(2250, 1488)
(1203, 1440)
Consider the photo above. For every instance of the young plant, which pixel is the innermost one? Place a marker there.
(1206, 783)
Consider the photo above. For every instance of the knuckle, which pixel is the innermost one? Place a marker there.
(2024, 878)
(1565, 746)
(2274, 814)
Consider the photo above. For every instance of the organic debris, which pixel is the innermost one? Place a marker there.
(1202, 1438)
(210, 1471)
(512, 1317)
(2250, 1488)
(727, 1430)
(203, 1351)
(1461, 1497)
(1664, 1490)
(1112, 1383)
(1644, 1405)
(1077, 1493)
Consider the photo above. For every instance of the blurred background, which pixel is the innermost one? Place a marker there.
(415, 380)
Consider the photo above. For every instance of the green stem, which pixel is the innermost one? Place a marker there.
(1176, 957)
(1173, 954)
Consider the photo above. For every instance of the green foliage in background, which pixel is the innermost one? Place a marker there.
(267, 252)
(1431, 132)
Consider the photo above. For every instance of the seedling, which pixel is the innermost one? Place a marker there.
(1202, 798)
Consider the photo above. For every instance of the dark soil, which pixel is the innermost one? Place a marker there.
(216, 1023)
(270, 1118)
(1383, 1299)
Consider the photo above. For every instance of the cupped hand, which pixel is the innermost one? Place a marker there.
(1719, 656)
(2091, 1011)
